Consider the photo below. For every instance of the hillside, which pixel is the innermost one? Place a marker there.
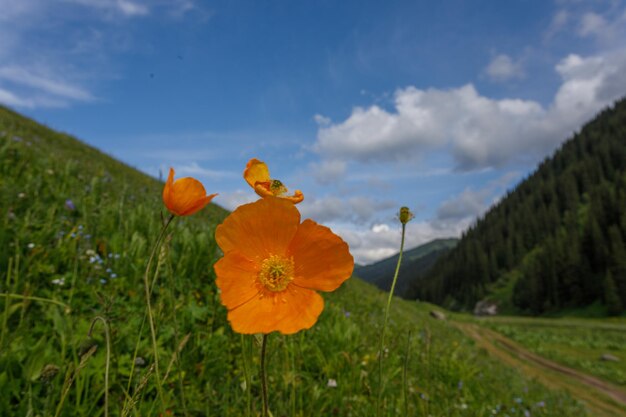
(76, 229)
(415, 263)
(557, 241)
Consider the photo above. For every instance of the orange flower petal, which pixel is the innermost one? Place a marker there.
(322, 259)
(185, 196)
(288, 312)
(256, 171)
(237, 279)
(259, 229)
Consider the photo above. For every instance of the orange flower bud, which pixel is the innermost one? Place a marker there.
(185, 196)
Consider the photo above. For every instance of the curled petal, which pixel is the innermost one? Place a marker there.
(256, 171)
(263, 190)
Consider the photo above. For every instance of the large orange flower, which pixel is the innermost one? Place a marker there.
(185, 196)
(258, 176)
(273, 264)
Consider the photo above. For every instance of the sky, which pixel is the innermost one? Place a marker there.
(364, 106)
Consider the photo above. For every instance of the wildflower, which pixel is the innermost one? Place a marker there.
(58, 281)
(69, 205)
(273, 264)
(185, 196)
(332, 383)
(30, 245)
(258, 176)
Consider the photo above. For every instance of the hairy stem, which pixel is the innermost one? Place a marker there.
(382, 332)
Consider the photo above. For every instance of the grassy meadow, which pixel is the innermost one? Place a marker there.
(76, 230)
(578, 343)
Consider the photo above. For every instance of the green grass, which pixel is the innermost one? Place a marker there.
(98, 252)
(578, 343)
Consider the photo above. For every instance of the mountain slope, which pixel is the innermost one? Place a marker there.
(557, 240)
(415, 263)
(64, 263)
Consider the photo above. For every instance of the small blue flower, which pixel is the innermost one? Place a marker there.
(69, 205)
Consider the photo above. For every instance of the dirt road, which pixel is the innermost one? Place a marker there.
(601, 398)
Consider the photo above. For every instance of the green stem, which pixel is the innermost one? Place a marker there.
(108, 359)
(6, 304)
(382, 332)
(246, 375)
(40, 299)
(264, 376)
(155, 249)
(405, 371)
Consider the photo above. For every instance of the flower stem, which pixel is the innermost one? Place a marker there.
(405, 371)
(264, 376)
(155, 249)
(108, 359)
(246, 374)
(382, 332)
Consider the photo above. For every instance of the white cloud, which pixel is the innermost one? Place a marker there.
(470, 203)
(503, 68)
(193, 169)
(592, 24)
(321, 120)
(378, 242)
(45, 84)
(478, 131)
(559, 21)
(124, 7)
(328, 171)
(232, 200)
(357, 209)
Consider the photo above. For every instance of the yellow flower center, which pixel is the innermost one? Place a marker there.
(276, 272)
(277, 188)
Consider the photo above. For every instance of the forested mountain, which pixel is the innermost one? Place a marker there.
(557, 239)
(416, 262)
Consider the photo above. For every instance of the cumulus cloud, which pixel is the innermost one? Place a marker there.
(478, 131)
(382, 240)
(591, 24)
(503, 68)
(328, 171)
(357, 209)
(470, 203)
(232, 200)
(193, 169)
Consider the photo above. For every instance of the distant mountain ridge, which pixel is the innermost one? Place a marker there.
(415, 263)
(557, 241)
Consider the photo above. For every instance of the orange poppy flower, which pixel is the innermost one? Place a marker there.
(185, 196)
(258, 176)
(273, 265)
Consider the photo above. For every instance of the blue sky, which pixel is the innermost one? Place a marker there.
(364, 106)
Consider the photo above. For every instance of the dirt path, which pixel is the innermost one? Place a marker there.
(601, 398)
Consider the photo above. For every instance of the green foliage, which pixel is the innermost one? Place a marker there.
(65, 262)
(577, 343)
(562, 230)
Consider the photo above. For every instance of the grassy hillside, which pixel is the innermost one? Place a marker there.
(76, 229)
(415, 263)
(557, 241)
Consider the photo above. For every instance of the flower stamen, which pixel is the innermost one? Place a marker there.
(276, 272)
